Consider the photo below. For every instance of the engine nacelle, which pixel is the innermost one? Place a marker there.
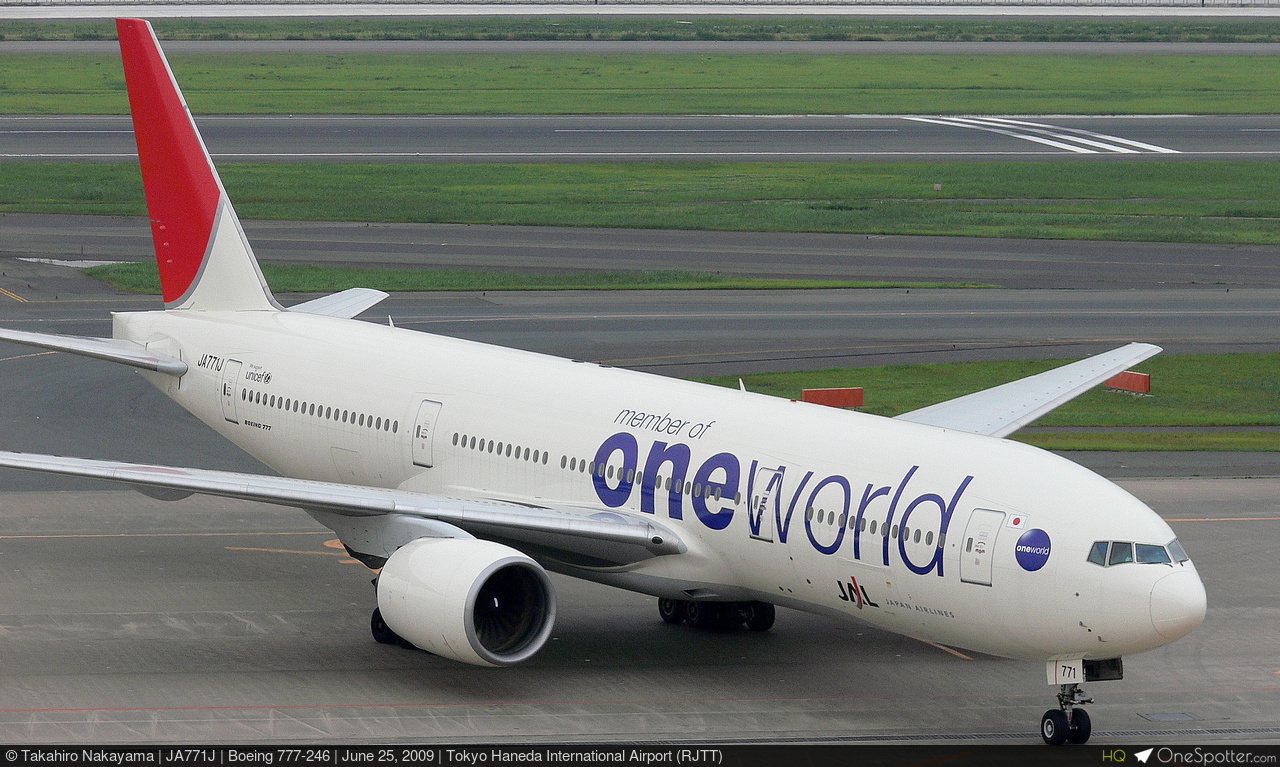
(475, 601)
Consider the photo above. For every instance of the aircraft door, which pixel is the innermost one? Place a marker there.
(424, 430)
(764, 494)
(978, 547)
(230, 377)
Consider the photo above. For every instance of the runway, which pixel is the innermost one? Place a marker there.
(535, 138)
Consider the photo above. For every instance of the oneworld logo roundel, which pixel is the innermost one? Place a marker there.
(1032, 550)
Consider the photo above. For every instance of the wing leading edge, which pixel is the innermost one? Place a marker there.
(1002, 410)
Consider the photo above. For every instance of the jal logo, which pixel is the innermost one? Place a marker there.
(1032, 550)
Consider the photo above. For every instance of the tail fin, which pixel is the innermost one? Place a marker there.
(204, 258)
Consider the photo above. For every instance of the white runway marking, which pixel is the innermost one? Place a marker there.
(726, 130)
(1068, 139)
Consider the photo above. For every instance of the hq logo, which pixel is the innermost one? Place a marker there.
(1032, 550)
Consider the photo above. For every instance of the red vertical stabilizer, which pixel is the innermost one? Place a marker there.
(182, 187)
(197, 235)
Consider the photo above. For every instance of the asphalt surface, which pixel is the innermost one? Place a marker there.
(1011, 263)
(417, 138)
(128, 620)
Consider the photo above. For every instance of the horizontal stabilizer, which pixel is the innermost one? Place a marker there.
(559, 529)
(347, 304)
(1002, 410)
(110, 349)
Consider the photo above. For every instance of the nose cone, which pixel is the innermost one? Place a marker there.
(1177, 604)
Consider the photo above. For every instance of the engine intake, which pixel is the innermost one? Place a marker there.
(475, 601)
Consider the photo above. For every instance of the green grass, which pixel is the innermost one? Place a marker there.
(661, 83)
(1187, 390)
(143, 277)
(1234, 202)
(671, 28)
(1144, 441)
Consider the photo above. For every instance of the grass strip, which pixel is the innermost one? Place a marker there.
(694, 28)
(1217, 441)
(1210, 201)
(1186, 390)
(143, 277)
(641, 83)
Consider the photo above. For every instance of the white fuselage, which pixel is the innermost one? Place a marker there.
(776, 500)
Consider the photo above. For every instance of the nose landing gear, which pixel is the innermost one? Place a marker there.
(1067, 723)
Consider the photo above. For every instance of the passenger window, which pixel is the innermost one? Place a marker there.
(1121, 553)
(809, 514)
(873, 527)
(916, 539)
(1098, 554)
(928, 539)
(526, 453)
(942, 538)
(906, 533)
(1152, 555)
(455, 438)
(564, 461)
(244, 394)
(631, 473)
(968, 546)
(894, 533)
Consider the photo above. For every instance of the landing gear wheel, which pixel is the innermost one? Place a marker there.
(699, 614)
(760, 616)
(672, 610)
(727, 617)
(382, 633)
(1080, 728)
(1054, 727)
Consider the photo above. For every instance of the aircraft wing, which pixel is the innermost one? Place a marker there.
(1002, 410)
(346, 304)
(110, 349)
(607, 538)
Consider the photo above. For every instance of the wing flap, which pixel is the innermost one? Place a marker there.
(1002, 410)
(560, 527)
(109, 349)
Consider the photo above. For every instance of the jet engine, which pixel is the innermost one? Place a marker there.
(475, 601)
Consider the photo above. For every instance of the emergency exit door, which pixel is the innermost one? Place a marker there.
(424, 429)
(230, 382)
(977, 550)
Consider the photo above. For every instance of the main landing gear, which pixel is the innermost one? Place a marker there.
(382, 633)
(1067, 723)
(718, 616)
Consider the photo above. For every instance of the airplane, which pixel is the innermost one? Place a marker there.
(463, 472)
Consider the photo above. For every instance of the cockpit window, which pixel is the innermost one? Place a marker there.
(1179, 554)
(1120, 553)
(1098, 554)
(1151, 555)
